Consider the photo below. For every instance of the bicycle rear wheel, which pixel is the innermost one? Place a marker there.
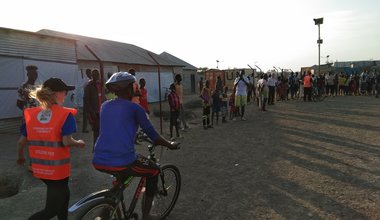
(168, 191)
(103, 209)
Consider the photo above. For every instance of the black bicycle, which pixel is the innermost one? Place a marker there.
(109, 204)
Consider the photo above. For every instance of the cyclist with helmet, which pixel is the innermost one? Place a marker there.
(115, 148)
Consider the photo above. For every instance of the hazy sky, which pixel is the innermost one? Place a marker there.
(267, 33)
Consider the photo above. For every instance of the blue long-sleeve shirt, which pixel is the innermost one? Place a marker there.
(119, 121)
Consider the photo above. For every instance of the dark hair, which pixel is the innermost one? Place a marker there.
(178, 77)
(31, 67)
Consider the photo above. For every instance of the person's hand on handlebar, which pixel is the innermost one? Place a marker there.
(174, 145)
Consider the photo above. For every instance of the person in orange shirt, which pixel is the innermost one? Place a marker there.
(48, 132)
(307, 86)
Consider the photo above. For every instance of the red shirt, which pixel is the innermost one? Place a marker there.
(144, 99)
(174, 102)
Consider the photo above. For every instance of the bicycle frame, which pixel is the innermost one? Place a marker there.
(116, 192)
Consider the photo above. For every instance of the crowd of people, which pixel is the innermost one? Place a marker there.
(328, 84)
(267, 88)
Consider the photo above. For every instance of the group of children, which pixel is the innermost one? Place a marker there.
(216, 103)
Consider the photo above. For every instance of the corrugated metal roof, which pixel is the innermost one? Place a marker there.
(36, 46)
(111, 51)
(177, 60)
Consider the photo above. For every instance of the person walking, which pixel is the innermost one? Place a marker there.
(48, 132)
(174, 105)
(93, 100)
(241, 84)
(115, 149)
(179, 91)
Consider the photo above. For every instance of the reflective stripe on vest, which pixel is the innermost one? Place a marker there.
(50, 162)
(46, 143)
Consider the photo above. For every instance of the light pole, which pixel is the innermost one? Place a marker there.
(319, 21)
(217, 64)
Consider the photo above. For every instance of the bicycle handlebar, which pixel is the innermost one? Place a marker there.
(141, 136)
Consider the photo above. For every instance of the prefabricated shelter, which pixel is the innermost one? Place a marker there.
(212, 75)
(54, 57)
(188, 72)
(110, 56)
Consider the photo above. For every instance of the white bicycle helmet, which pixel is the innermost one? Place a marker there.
(119, 81)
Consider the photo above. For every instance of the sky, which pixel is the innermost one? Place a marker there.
(266, 33)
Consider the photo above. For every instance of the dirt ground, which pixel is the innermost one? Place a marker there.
(299, 160)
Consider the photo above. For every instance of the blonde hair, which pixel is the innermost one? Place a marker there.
(45, 96)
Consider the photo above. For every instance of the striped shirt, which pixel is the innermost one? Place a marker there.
(174, 102)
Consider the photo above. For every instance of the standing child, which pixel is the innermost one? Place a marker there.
(206, 101)
(224, 105)
(215, 106)
(144, 96)
(231, 103)
(174, 105)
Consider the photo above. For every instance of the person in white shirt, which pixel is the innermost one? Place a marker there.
(241, 83)
(272, 82)
(262, 91)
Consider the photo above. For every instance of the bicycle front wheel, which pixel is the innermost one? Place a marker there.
(104, 209)
(169, 186)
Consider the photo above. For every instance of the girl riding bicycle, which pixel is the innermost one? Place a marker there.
(114, 150)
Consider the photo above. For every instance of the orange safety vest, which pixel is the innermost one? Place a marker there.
(307, 81)
(49, 157)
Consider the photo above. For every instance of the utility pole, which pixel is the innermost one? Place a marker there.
(319, 21)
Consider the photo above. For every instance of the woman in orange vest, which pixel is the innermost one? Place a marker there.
(48, 133)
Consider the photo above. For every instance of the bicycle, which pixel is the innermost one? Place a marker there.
(109, 204)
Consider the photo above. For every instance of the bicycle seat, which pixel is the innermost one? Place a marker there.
(114, 171)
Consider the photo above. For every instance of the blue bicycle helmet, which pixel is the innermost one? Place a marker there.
(119, 81)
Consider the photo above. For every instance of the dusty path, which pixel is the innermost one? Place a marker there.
(297, 161)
